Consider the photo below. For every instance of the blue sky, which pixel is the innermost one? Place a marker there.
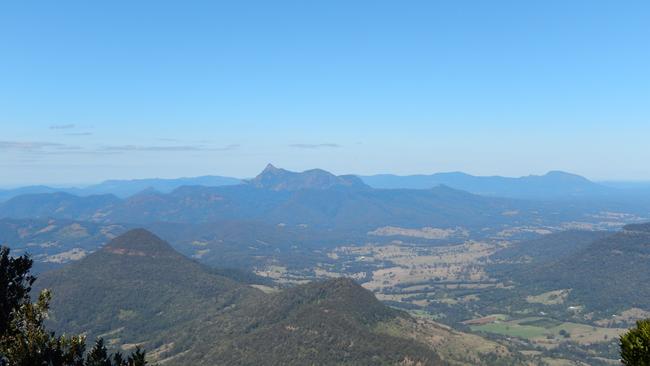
(93, 90)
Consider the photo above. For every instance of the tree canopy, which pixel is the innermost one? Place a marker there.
(635, 345)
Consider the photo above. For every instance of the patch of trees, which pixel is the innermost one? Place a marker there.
(635, 345)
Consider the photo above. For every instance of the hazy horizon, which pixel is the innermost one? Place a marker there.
(613, 182)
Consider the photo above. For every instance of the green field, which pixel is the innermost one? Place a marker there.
(542, 322)
(535, 328)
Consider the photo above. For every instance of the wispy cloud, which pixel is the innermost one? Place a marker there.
(315, 146)
(45, 148)
(172, 148)
(63, 127)
(28, 145)
(127, 148)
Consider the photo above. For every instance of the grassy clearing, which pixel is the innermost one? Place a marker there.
(511, 329)
(550, 298)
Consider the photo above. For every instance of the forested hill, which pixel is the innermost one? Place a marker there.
(138, 287)
(609, 275)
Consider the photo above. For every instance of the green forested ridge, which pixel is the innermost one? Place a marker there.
(324, 323)
(136, 284)
(609, 275)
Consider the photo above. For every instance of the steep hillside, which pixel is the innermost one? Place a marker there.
(136, 287)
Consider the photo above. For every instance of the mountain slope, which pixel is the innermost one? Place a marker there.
(609, 275)
(136, 284)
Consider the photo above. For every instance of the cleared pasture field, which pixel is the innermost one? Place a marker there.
(550, 332)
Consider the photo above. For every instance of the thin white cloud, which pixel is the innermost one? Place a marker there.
(172, 148)
(28, 145)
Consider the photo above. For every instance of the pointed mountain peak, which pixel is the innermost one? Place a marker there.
(139, 242)
(270, 168)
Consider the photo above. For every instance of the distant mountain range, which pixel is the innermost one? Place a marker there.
(277, 196)
(320, 199)
(125, 188)
(138, 290)
(552, 185)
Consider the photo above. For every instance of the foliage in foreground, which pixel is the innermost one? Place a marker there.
(635, 345)
(24, 341)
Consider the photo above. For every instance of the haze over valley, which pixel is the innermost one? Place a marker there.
(514, 276)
